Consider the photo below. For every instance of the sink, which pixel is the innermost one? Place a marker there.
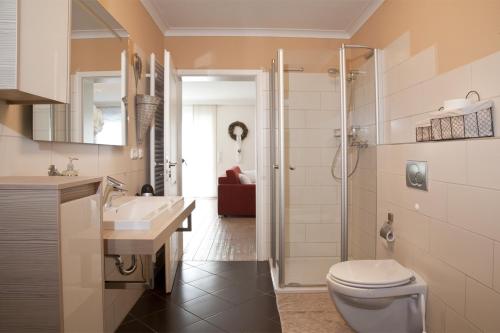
(136, 213)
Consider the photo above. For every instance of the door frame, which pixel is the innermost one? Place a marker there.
(260, 78)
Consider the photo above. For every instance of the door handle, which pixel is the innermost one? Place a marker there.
(276, 166)
(291, 167)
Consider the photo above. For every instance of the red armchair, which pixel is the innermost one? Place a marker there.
(234, 198)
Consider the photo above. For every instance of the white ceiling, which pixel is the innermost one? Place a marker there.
(219, 93)
(277, 18)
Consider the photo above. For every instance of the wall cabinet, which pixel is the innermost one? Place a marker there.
(34, 51)
(51, 250)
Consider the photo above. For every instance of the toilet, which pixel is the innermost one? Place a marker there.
(378, 296)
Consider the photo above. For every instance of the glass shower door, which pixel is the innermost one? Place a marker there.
(360, 136)
(305, 228)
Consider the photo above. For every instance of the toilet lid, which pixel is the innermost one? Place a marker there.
(365, 273)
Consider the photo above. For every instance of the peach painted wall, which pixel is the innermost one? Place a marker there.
(137, 21)
(98, 54)
(461, 30)
(314, 54)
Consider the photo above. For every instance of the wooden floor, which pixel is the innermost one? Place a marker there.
(219, 239)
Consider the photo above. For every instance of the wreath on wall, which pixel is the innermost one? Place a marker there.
(241, 125)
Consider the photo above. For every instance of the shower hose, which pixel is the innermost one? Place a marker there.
(336, 158)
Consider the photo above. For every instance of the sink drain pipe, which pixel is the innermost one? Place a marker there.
(120, 265)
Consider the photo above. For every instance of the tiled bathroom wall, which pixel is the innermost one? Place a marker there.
(450, 234)
(312, 226)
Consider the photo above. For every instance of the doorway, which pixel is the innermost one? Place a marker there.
(219, 147)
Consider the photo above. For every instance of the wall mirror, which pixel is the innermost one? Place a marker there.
(97, 112)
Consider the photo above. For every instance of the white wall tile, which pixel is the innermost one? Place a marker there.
(468, 252)
(443, 280)
(305, 156)
(483, 163)
(303, 100)
(304, 214)
(435, 314)
(431, 203)
(485, 78)
(453, 84)
(87, 163)
(496, 267)
(397, 51)
(475, 209)
(458, 324)
(311, 82)
(323, 233)
(310, 138)
(295, 118)
(324, 119)
(313, 249)
(295, 232)
(419, 68)
(409, 226)
(23, 157)
(330, 101)
(482, 306)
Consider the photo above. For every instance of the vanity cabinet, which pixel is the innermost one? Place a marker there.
(51, 249)
(34, 51)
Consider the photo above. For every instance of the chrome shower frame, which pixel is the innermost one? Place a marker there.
(344, 201)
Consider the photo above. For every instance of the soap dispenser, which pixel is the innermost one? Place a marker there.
(70, 168)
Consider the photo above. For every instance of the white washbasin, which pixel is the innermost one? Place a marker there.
(136, 213)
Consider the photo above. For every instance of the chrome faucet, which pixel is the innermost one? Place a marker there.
(112, 185)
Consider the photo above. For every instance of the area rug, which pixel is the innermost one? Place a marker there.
(309, 313)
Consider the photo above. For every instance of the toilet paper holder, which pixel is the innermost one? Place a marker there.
(386, 231)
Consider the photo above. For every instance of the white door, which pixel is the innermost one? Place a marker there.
(173, 129)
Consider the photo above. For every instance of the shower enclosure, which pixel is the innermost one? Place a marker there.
(324, 130)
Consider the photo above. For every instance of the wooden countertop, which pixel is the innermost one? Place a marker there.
(148, 241)
(45, 182)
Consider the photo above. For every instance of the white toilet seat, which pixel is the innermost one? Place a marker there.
(371, 273)
(370, 286)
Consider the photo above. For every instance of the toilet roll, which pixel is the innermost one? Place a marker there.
(387, 233)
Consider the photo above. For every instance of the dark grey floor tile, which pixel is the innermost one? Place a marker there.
(262, 283)
(201, 327)
(195, 263)
(236, 320)
(171, 319)
(217, 267)
(134, 326)
(262, 307)
(238, 294)
(149, 302)
(191, 274)
(182, 293)
(211, 284)
(206, 306)
(128, 318)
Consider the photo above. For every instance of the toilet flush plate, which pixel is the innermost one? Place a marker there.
(416, 175)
